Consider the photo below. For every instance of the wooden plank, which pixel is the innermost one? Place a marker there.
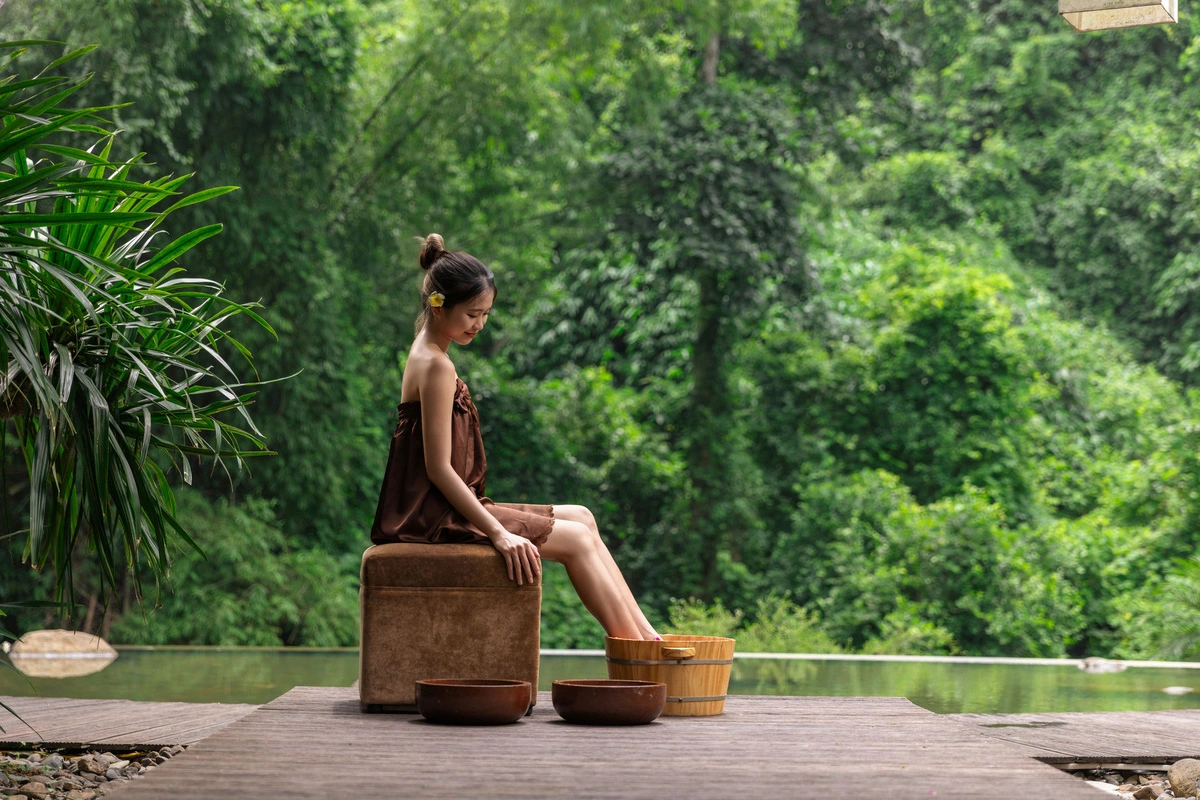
(121, 724)
(316, 743)
(1132, 737)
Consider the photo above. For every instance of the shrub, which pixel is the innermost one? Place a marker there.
(778, 626)
(256, 587)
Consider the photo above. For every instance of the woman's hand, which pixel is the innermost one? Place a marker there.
(520, 554)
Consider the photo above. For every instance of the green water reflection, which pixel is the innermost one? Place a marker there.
(943, 688)
(243, 675)
(199, 675)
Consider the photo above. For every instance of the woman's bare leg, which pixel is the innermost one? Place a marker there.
(582, 515)
(572, 545)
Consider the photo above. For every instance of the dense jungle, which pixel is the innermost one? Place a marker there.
(865, 326)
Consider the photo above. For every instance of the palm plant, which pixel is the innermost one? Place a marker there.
(112, 357)
(1177, 633)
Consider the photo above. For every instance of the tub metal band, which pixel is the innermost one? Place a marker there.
(671, 662)
(695, 699)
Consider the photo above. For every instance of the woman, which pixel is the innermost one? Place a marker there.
(433, 487)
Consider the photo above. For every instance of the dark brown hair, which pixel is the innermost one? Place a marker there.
(458, 276)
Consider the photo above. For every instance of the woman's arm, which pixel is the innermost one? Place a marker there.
(437, 407)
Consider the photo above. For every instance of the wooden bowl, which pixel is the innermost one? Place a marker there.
(597, 702)
(461, 701)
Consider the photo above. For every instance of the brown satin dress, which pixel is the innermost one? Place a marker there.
(412, 509)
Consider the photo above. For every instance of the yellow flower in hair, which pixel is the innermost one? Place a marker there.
(436, 299)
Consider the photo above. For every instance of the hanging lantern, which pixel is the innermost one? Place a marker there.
(1098, 15)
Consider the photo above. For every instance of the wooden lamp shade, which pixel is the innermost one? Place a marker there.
(1098, 15)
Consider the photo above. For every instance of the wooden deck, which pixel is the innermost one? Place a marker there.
(115, 724)
(316, 743)
(761, 747)
(1129, 737)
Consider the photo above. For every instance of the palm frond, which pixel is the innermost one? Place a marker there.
(112, 356)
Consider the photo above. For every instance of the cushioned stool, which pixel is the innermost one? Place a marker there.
(442, 611)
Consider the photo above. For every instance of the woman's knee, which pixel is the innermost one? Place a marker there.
(568, 539)
(580, 514)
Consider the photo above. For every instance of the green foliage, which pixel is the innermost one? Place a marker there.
(938, 390)
(254, 584)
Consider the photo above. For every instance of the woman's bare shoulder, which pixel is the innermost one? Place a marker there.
(424, 371)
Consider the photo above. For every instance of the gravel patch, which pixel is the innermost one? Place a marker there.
(1180, 782)
(61, 775)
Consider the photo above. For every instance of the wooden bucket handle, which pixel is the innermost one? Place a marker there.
(679, 653)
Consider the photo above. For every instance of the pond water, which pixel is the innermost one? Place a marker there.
(252, 675)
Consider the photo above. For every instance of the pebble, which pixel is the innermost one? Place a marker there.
(1183, 776)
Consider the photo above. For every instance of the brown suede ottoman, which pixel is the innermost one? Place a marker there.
(442, 611)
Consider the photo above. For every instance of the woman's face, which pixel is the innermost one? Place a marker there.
(462, 322)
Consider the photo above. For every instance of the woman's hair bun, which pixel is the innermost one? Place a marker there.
(432, 248)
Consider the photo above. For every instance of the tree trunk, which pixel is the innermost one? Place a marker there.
(705, 453)
(89, 619)
(712, 50)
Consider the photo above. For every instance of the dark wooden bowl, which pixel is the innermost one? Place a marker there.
(609, 702)
(461, 701)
